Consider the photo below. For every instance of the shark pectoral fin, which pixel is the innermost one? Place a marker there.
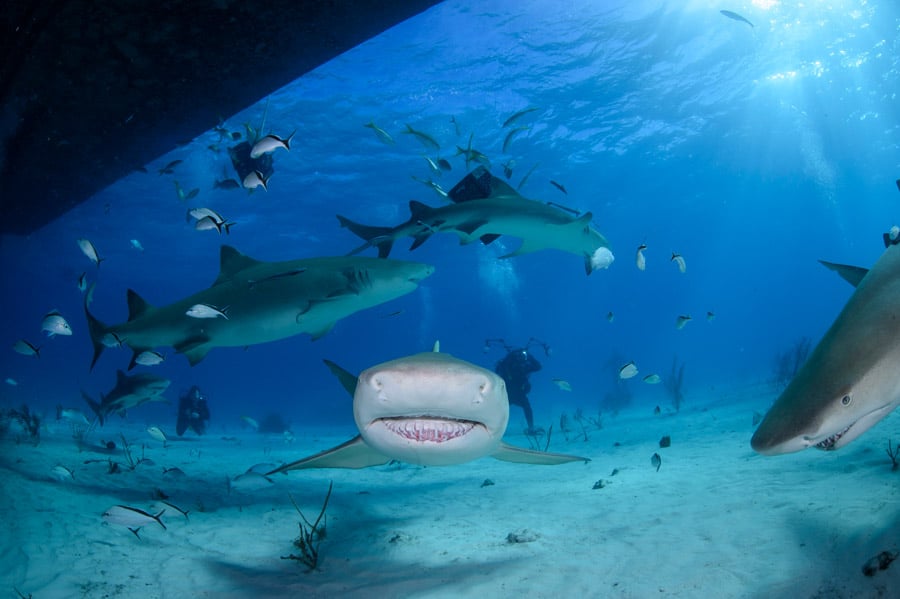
(851, 274)
(195, 348)
(510, 453)
(419, 240)
(471, 226)
(489, 238)
(322, 331)
(352, 454)
(527, 246)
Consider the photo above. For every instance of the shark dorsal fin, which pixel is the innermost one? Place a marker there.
(137, 306)
(419, 211)
(500, 188)
(232, 262)
(851, 274)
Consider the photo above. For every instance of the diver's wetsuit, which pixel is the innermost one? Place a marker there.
(514, 369)
(193, 412)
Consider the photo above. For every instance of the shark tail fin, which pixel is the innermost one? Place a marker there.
(380, 237)
(96, 328)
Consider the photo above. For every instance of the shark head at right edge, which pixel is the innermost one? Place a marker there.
(852, 378)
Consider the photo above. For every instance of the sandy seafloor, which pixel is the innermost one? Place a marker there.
(717, 520)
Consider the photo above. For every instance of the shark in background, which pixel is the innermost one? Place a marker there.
(253, 302)
(129, 392)
(486, 208)
(429, 409)
(852, 378)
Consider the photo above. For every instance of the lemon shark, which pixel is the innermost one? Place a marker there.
(485, 208)
(129, 392)
(852, 378)
(259, 302)
(429, 409)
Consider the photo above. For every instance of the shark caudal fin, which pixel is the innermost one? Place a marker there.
(94, 406)
(96, 328)
(380, 237)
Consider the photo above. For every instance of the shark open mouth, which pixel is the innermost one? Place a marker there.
(828, 443)
(423, 429)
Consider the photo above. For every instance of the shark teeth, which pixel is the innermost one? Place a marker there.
(827, 444)
(428, 429)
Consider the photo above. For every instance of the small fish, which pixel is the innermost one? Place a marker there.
(149, 358)
(679, 261)
(71, 414)
(256, 179)
(137, 245)
(90, 251)
(735, 16)
(54, 324)
(610, 316)
(710, 317)
(657, 411)
(892, 237)
(433, 165)
(682, 320)
(444, 165)
(528, 174)
(559, 186)
(281, 275)
(206, 311)
(628, 371)
(200, 213)
(61, 474)
(263, 467)
(169, 168)
(425, 139)
(656, 461)
(270, 143)
(249, 481)
(82, 282)
(26, 349)
(382, 135)
(111, 340)
(226, 184)
(12, 382)
(131, 517)
(210, 223)
(175, 472)
(394, 313)
(511, 135)
(639, 259)
(250, 422)
(184, 197)
(473, 155)
(652, 379)
(156, 434)
(518, 115)
(433, 185)
(563, 384)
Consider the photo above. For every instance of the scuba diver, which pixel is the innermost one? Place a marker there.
(514, 369)
(193, 412)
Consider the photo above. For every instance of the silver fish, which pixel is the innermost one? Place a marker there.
(425, 139)
(382, 135)
(156, 434)
(137, 245)
(82, 282)
(682, 320)
(55, 324)
(639, 259)
(61, 474)
(206, 311)
(149, 358)
(652, 379)
(209, 223)
(628, 371)
(679, 261)
(249, 481)
(90, 251)
(256, 179)
(26, 349)
(71, 414)
(270, 143)
(131, 517)
(111, 340)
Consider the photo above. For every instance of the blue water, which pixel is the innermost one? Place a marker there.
(752, 152)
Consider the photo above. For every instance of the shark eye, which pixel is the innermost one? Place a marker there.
(846, 400)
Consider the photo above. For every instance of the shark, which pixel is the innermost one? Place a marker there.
(485, 208)
(129, 392)
(429, 409)
(851, 380)
(258, 302)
